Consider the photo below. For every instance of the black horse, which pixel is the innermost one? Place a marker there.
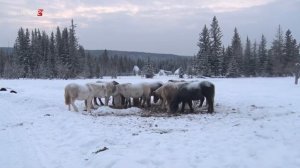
(194, 91)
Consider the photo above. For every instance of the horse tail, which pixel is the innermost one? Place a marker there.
(67, 97)
(208, 92)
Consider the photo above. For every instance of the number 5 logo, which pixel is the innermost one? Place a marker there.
(40, 12)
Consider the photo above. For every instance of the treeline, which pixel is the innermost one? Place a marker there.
(252, 59)
(59, 55)
(38, 55)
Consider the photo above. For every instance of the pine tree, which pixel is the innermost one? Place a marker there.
(73, 52)
(105, 63)
(225, 62)
(98, 72)
(65, 55)
(82, 69)
(262, 55)
(44, 68)
(34, 53)
(269, 64)
(52, 57)
(247, 58)
(277, 53)
(22, 52)
(89, 69)
(291, 52)
(216, 48)
(232, 70)
(237, 54)
(3, 59)
(256, 59)
(37, 60)
(204, 53)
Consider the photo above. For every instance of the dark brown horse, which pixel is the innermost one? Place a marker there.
(188, 92)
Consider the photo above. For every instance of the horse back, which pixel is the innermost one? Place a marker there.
(76, 91)
(98, 89)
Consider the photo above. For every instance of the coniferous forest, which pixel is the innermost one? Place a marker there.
(37, 54)
(252, 59)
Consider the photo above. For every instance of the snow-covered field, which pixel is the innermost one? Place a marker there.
(256, 124)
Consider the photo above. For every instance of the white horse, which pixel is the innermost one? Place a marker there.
(129, 90)
(106, 90)
(86, 92)
(75, 91)
(153, 86)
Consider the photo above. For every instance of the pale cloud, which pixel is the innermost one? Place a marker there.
(168, 26)
(233, 5)
(57, 11)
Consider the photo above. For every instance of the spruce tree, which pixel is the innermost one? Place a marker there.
(255, 67)
(237, 54)
(216, 48)
(262, 54)
(82, 61)
(73, 52)
(3, 59)
(247, 58)
(204, 53)
(290, 54)
(269, 64)
(65, 55)
(232, 70)
(277, 53)
(52, 57)
(89, 69)
(44, 68)
(225, 62)
(22, 52)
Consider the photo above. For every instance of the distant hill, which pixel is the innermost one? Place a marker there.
(130, 54)
(137, 55)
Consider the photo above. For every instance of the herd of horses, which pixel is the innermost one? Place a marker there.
(171, 94)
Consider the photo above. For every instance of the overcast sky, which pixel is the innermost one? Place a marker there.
(165, 26)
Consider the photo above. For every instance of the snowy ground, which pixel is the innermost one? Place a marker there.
(256, 124)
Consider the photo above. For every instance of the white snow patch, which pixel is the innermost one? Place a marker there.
(256, 124)
(104, 110)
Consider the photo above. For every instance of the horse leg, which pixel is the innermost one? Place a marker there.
(100, 101)
(126, 102)
(143, 100)
(210, 103)
(182, 106)
(191, 106)
(92, 105)
(95, 101)
(106, 100)
(148, 101)
(85, 105)
(129, 101)
(89, 104)
(74, 106)
(163, 104)
(201, 101)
